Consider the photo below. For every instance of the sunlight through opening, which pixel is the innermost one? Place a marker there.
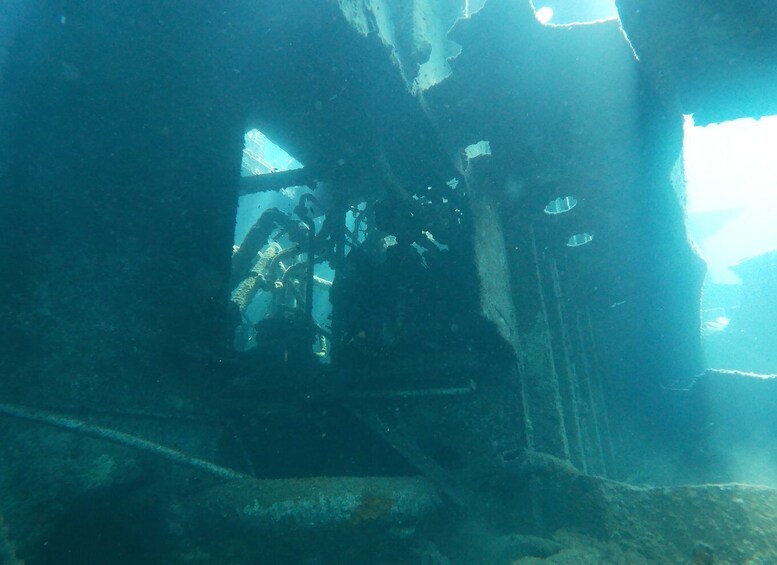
(731, 192)
(563, 12)
(731, 176)
(261, 156)
(544, 14)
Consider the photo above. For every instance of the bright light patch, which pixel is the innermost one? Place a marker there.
(262, 156)
(731, 176)
(717, 325)
(544, 14)
(572, 12)
(479, 149)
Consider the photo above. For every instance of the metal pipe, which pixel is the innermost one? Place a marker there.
(120, 438)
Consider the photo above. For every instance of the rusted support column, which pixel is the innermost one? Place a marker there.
(568, 380)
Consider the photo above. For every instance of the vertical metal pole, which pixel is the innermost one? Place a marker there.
(340, 214)
(549, 346)
(594, 404)
(311, 223)
(598, 390)
(571, 373)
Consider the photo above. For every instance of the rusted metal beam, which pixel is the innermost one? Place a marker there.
(277, 181)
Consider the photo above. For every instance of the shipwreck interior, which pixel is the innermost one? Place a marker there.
(386, 281)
